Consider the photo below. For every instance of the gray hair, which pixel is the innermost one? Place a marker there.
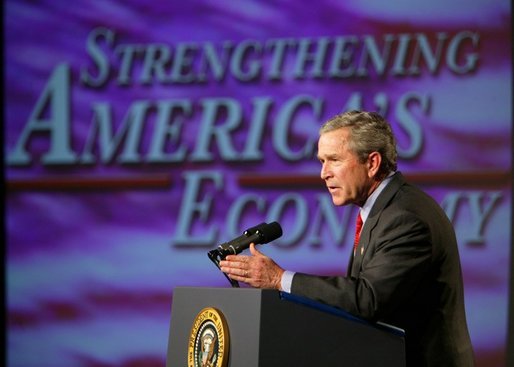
(369, 132)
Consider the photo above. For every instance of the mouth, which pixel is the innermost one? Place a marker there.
(332, 188)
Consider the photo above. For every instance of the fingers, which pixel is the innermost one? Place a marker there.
(236, 266)
(248, 269)
(236, 262)
(239, 275)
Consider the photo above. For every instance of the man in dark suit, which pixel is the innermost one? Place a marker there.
(405, 268)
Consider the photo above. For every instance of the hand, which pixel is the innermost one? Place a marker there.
(257, 270)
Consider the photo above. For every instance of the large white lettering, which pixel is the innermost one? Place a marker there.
(155, 131)
(56, 123)
(347, 56)
(312, 219)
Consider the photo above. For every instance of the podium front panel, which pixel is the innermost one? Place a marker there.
(268, 329)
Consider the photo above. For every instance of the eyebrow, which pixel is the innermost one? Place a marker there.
(329, 156)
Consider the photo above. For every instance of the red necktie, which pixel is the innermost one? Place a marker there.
(358, 227)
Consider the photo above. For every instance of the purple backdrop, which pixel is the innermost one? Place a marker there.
(139, 136)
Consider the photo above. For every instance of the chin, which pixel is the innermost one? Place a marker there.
(338, 201)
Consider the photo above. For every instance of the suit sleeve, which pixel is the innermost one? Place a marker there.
(395, 263)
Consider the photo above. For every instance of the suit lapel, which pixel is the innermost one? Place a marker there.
(383, 199)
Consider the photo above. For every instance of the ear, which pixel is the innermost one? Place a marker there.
(374, 161)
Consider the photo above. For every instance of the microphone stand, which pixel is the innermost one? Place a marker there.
(216, 256)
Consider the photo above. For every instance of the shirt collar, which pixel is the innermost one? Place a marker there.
(366, 208)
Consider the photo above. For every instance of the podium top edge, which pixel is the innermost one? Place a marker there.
(341, 313)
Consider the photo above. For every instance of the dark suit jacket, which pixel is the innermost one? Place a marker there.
(408, 275)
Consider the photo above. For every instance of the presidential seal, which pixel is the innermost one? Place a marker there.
(209, 340)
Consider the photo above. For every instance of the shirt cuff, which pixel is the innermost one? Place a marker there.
(286, 281)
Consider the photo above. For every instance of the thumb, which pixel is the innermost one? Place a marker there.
(254, 251)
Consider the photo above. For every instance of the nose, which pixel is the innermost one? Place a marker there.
(326, 172)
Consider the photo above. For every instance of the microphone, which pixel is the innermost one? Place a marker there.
(260, 234)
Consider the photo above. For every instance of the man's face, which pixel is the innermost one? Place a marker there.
(347, 180)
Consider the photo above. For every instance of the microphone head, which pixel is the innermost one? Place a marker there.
(270, 232)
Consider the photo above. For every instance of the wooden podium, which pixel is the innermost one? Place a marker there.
(268, 328)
